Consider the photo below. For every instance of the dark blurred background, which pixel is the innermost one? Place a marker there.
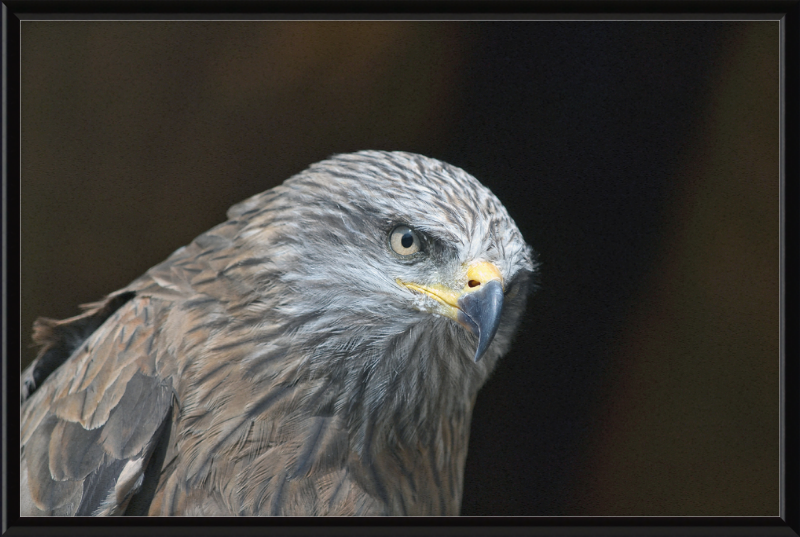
(640, 159)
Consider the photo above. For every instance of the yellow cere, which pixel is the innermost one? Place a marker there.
(483, 272)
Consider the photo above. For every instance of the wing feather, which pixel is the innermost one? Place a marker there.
(89, 428)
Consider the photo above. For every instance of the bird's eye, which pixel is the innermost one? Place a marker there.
(404, 241)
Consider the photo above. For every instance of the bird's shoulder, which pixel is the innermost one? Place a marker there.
(190, 275)
(103, 381)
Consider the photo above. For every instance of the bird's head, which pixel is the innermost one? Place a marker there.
(393, 256)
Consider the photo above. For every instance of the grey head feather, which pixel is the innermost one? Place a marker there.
(324, 232)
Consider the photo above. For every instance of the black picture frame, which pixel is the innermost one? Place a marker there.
(788, 12)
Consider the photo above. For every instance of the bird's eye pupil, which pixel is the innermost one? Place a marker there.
(407, 240)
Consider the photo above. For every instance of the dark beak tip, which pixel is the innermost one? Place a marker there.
(482, 310)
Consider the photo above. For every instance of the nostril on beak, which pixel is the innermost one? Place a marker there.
(474, 283)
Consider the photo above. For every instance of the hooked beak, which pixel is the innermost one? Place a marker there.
(479, 305)
(480, 312)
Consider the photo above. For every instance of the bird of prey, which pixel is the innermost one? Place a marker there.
(319, 353)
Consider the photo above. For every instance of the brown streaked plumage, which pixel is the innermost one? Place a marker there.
(294, 360)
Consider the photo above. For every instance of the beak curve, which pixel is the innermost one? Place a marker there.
(480, 312)
(477, 307)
